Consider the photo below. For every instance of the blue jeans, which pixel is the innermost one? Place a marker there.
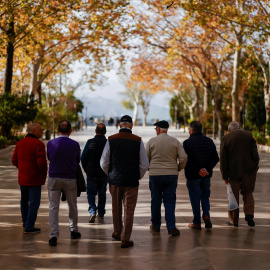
(199, 193)
(30, 201)
(97, 186)
(163, 187)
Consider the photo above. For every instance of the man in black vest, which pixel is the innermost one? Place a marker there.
(96, 178)
(125, 162)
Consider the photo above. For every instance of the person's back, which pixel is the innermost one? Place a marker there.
(239, 160)
(125, 159)
(166, 157)
(241, 148)
(96, 178)
(202, 158)
(64, 157)
(164, 154)
(201, 152)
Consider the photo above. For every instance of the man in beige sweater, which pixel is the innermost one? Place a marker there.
(166, 157)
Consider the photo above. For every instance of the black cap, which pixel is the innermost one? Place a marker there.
(126, 118)
(162, 124)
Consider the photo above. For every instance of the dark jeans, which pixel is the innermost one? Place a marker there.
(30, 201)
(163, 187)
(97, 186)
(199, 193)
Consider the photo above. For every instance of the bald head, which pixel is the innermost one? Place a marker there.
(64, 127)
(101, 129)
(35, 129)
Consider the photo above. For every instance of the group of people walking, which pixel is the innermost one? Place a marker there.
(122, 160)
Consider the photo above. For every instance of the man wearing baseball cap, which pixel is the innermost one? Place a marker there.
(125, 162)
(167, 157)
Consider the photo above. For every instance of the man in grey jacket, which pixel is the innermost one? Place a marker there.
(239, 160)
(167, 157)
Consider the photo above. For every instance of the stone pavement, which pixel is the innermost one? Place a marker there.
(221, 248)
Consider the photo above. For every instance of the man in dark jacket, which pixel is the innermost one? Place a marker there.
(125, 161)
(202, 158)
(96, 178)
(239, 161)
(29, 157)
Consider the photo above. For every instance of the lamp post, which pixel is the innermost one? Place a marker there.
(175, 116)
(214, 111)
(53, 114)
(86, 117)
(66, 105)
(185, 117)
(76, 124)
(244, 109)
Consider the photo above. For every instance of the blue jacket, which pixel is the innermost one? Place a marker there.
(91, 156)
(202, 153)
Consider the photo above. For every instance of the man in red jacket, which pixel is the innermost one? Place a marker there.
(30, 158)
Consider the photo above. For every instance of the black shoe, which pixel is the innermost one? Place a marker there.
(207, 222)
(75, 235)
(230, 224)
(173, 232)
(34, 230)
(127, 244)
(116, 237)
(53, 241)
(250, 221)
(154, 229)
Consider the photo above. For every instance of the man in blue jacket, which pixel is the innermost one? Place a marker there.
(64, 156)
(96, 178)
(202, 158)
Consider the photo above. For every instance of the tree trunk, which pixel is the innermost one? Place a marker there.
(144, 117)
(205, 100)
(221, 124)
(135, 112)
(235, 88)
(9, 58)
(35, 85)
(195, 104)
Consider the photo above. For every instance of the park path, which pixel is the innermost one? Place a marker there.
(221, 248)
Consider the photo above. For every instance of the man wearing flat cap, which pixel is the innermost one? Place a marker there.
(125, 162)
(167, 157)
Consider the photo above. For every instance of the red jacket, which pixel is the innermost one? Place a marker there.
(29, 157)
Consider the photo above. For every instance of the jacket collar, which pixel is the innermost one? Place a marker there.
(128, 130)
(196, 134)
(99, 136)
(31, 135)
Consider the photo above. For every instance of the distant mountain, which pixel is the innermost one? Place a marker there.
(101, 106)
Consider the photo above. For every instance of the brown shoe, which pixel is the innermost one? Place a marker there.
(116, 236)
(195, 226)
(126, 244)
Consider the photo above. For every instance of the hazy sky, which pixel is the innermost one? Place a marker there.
(111, 90)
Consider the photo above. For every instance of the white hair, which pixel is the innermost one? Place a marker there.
(233, 125)
(164, 129)
(31, 127)
(126, 124)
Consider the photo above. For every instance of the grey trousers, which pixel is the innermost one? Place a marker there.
(69, 186)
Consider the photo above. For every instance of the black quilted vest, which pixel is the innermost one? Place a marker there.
(124, 159)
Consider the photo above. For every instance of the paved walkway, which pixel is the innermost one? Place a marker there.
(221, 248)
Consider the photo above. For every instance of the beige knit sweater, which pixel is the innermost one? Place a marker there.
(166, 155)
